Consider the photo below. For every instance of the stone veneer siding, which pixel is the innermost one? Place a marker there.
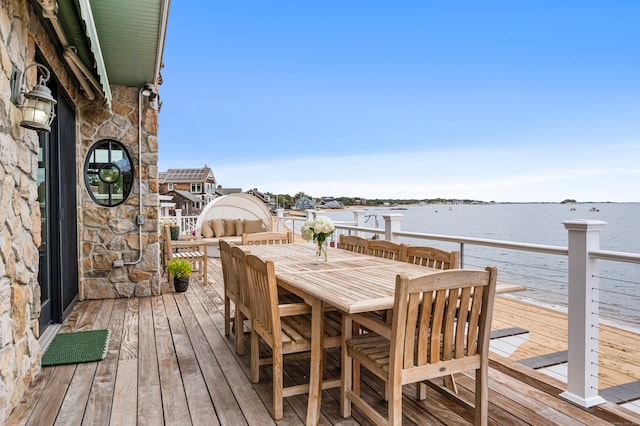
(108, 234)
(104, 234)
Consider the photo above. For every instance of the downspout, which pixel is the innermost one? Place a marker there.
(140, 218)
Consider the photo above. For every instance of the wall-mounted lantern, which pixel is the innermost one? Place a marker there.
(38, 105)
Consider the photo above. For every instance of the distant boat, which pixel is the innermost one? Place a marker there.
(398, 208)
(572, 209)
(593, 209)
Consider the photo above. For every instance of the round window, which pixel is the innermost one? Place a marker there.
(108, 173)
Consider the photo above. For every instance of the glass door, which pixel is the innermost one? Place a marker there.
(56, 181)
(44, 277)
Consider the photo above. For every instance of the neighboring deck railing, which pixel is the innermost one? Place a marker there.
(581, 275)
(187, 224)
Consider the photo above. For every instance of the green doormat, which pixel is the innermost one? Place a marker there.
(74, 348)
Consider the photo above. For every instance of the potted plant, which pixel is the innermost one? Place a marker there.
(181, 270)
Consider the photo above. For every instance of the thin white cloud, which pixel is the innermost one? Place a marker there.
(500, 174)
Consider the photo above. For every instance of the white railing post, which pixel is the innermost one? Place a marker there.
(392, 223)
(311, 214)
(179, 219)
(358, 218)
(280, 216)
(582, 380)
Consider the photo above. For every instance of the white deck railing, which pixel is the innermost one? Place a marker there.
(582, 254)
(187, 224)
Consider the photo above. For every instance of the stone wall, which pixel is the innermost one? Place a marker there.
(19, 223)
(104, 234)
(108, 234)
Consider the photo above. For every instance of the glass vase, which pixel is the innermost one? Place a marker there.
(175, 233)
(321, 251)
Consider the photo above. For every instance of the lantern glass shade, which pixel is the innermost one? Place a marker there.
(38, 109)
(38, 105)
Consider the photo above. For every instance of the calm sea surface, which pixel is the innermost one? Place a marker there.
(545, 276)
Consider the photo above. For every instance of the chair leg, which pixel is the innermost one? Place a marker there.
(227, 315)
(255, 356)
(395, 403)
(205, 276)
(277, 386)
(450, 383)
(346, 373)
(238, 325)
(356, 377)
(482, 396)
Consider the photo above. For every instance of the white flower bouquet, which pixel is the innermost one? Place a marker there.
(168, 221)
(318, 229)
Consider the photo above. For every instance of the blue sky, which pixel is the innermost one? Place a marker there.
(490, 100)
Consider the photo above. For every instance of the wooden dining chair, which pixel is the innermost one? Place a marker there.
(441, 325)
(353, 243)
(264, 238)
(194, 252)
(386, 249)
(285, 328)
(234, 276)
(243, 293)
(230, 287)
(432, 257)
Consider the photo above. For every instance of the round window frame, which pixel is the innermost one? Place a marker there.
(127, 183)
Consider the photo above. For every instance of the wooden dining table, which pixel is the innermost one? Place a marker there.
(351, 282)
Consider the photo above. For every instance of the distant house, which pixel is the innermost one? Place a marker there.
(333, 204)
(166, 204)
(264, 197)
(199, 182)
(304, 203)
(190, 204)
(226, 191)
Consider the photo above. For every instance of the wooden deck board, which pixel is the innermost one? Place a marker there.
(168, 362)
(149, 392)
(100, 398)
(174, 400)
(201, 408)
(227, 408)
(80, 386)
(124, 407)
(254, 412)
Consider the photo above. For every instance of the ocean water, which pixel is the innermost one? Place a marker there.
(544, 275)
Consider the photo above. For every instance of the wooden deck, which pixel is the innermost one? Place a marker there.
(170, 363)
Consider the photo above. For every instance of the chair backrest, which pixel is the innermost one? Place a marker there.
(243, 290)
(432, 257)
(228, 270)
(442, 317)
(353, 243)
(386, 249)
(265, 238)
(261, 278)
(168, 249)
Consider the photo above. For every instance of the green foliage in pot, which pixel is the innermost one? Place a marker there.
(179, 268)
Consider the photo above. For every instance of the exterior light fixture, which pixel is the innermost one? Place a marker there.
(38, 106)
